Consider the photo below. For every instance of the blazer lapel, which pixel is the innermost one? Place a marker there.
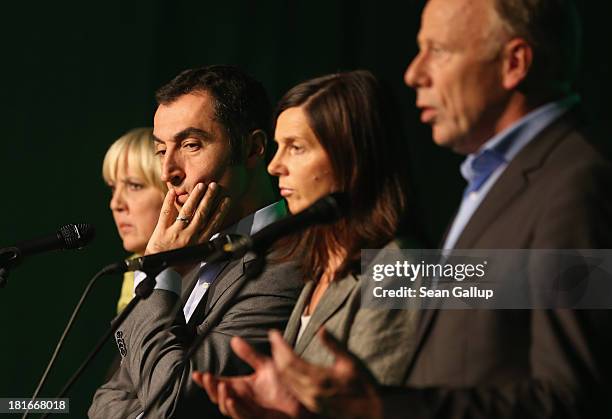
(189, 282)
(213, 293)
(224, 281)
(513, 181)
(332, 300)
(505, 190)
(295, 320)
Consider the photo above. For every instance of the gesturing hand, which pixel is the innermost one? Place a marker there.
(259, 395)
(344, 390)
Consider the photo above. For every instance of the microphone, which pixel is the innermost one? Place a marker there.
(326, 209)
(70, 236)
(160, 261)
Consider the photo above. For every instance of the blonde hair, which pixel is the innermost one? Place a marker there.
(136, 147)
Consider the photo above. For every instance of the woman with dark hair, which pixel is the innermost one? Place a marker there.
(340, 133)
(337, 133)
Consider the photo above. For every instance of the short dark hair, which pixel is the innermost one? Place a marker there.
(553, 29)
(354, 118)
(241, 102)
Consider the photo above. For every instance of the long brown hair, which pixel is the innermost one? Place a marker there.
(353, 118)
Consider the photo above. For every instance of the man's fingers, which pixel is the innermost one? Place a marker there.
(205, 208)
(295, 373)
(209, 383)
(247, 353)
(282, 353)
(196, 376)
(346, 364)
(236, 410)
(222, 398)
(190, 206)
(229, 404)
(168, 212)
(216, 221)
(334, 345)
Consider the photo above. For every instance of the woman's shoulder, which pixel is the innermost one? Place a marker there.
(390, 251)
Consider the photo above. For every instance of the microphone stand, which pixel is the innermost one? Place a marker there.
(105, 271)
(142, 291)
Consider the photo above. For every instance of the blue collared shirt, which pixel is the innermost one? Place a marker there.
(506, 144)
(170, 280)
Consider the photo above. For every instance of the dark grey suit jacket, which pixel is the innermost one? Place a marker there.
(556, 193)
(226, 310)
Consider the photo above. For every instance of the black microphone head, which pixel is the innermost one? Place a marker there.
(330, 208)
(76, 236)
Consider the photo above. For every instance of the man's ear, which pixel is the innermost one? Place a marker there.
(256, 148)
(518, 58)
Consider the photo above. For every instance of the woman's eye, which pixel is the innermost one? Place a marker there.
(133, 186)
(296, 148)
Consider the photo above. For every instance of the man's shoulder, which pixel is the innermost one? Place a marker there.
(566, 141)
(562, 154)
(573, 162)
(556, 193)
(263, 273)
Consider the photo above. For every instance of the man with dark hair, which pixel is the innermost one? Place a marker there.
(493, 79)
(240, 103)
(210, 131)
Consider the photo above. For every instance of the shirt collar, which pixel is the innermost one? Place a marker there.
(513, 139)
(254, 222)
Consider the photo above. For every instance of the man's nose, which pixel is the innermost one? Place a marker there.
(172, 169)
(416, 74)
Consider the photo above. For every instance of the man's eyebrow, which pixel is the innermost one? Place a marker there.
(186, 133)
(193, 132)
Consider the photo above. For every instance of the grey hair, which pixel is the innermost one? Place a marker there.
(553, 30)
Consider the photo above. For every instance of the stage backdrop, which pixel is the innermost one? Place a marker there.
(77, 75)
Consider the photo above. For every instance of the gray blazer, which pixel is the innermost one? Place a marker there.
(383, 339)
(153, 350)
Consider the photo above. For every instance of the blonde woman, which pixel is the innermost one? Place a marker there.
(133, 173)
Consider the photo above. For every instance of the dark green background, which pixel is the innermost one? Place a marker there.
(75, 76)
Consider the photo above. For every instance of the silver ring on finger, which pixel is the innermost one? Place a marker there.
(183, 219)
